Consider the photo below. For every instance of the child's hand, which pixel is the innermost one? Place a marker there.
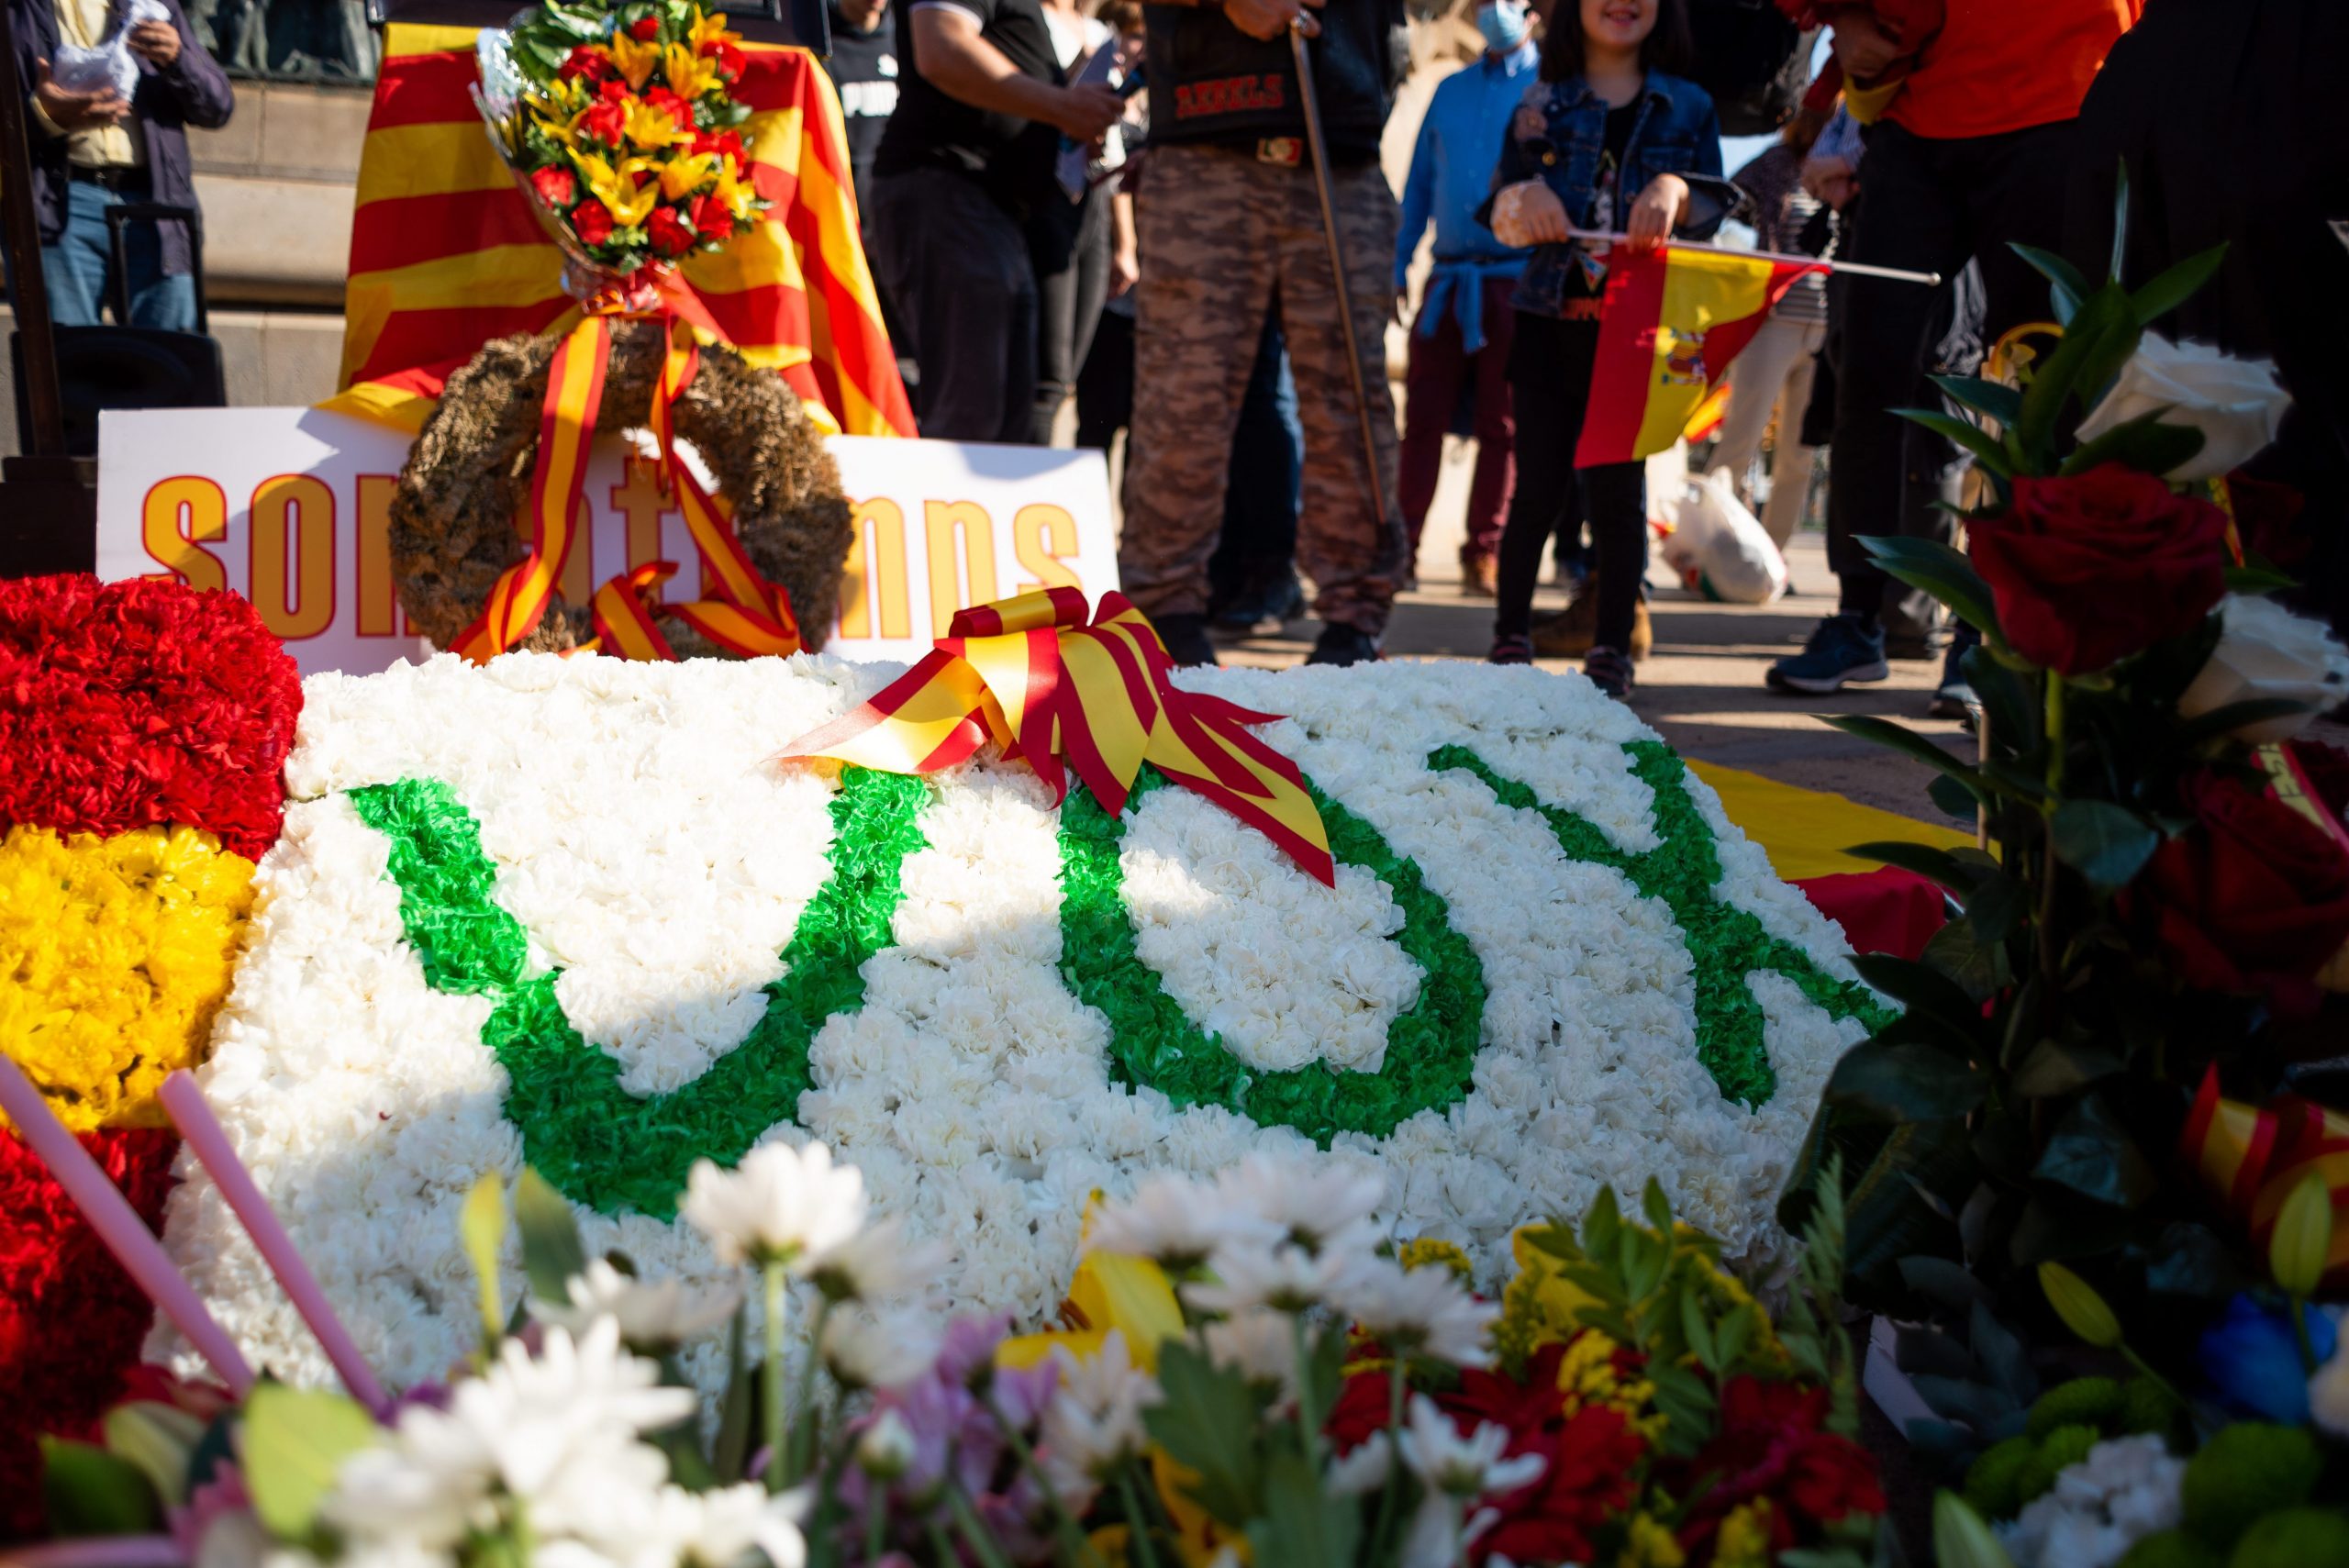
(1655, 211)
(1530, 213)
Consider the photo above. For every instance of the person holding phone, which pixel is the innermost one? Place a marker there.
(94, 147)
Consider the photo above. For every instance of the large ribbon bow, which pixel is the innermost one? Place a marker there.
(748, 614)
(1032, 674)
(2252, 1157)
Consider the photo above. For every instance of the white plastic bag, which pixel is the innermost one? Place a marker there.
(1718, 549)
(111, 63)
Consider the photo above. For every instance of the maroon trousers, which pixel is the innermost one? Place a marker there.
(1431, 387)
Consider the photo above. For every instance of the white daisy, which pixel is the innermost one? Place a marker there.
(1173, 1222)
(1320, 1205)
(1424, 1311)
(780, 1205)
(863, 1348)
(875, 1264)
(654, 1316)
(1284, 1277)
(1461, 1467)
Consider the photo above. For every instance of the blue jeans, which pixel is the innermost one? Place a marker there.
(80, 266)
(1265, 489)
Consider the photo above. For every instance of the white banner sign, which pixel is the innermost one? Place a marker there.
(292, 508)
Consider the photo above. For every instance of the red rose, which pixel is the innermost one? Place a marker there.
(585, 61)
(557, 187)
(678, 109)
(710, 217)
(2091, 569)
(726, 142)
(672, 235)
(644, 29)
(2254, 898)
(729, 62)
(606, 120)
(592, 221)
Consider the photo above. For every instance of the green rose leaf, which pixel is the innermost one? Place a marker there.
(1905, 1081)
(2106, 843)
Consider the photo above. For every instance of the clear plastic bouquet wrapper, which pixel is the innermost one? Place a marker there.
(622, 128)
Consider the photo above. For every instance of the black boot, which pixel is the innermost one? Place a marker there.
(1186, 636)
(1343, 645)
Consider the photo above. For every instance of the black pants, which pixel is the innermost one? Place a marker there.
(1931, 206)
(1549, 378)
(1068, 243)
(956, 265)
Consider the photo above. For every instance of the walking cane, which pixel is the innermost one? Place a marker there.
(1397, 542)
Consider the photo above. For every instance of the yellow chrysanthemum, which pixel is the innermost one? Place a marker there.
(1588, 1377)
(689, 74)
(1745, 1538)
(681, 177)
(1430, 1253)
(651, 128)
(114, 954)
(1650, 1543)
(635, 61)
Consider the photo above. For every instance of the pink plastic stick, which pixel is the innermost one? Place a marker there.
(209, 1142)
(106, 1551)
(119, 1227)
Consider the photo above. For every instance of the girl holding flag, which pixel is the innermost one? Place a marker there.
(1606, 141)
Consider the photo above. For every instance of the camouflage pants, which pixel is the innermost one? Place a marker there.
(1222, 237)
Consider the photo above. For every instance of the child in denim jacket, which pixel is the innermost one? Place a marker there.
(1608, 142)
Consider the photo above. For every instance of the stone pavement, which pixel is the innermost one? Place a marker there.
(1702, 689)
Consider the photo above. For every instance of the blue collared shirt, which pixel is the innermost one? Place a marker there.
(1452, 168)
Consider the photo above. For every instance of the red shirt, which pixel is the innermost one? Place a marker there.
(2000, 65)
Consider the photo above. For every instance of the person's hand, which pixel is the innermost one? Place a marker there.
(1085, 113)
(71, 111)
(1400, 310)
(1831, 180)
(1654, 211)
(1530, 213)
(1271, 18)
(1125, 270)
(158, 42)
(1863, 48)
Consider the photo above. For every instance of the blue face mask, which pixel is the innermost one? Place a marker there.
(1503, 24)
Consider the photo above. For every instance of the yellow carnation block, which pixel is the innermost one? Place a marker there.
(115, 954)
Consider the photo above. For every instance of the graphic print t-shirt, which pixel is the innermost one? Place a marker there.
(1012, 157)
(864, 67)
(1586, 284)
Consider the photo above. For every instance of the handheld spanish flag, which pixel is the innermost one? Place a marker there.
(1673, 320)
(445, 253)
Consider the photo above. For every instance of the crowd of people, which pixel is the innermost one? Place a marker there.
(1043, 231)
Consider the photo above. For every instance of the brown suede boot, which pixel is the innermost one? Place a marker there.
(1570, 632)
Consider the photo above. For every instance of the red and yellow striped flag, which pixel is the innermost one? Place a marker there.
(1674, 319)
(445, 254)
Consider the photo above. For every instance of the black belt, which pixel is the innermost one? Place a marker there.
(113, 176)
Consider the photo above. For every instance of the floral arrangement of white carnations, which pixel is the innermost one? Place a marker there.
(574, 915)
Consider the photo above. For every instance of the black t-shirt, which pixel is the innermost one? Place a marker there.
(1586, 284)
(863, 66)
(1012, 156)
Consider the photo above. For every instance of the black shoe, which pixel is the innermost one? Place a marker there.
(1343, 645)
(1263, 611)
(1609, 669)
(1186, 636)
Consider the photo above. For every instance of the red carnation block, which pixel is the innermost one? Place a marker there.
(122, 705)
(127, 704)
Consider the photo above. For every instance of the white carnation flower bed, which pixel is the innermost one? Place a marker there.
(657, 858)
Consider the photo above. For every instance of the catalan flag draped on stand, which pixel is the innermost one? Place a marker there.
(1673, 320)
(445, 254)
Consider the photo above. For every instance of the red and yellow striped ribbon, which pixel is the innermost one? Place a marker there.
(566, 430)
(2251, 1157)
(1032, 674)
(748, 617)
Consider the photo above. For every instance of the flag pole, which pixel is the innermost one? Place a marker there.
(1857, 269)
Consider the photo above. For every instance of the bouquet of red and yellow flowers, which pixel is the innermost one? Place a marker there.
(623, 127)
